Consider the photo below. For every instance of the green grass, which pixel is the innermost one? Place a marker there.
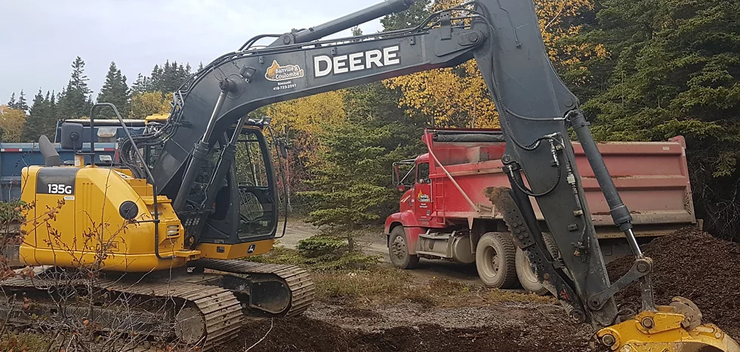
(319, 259)
(357, 277)
(376, 285)
(442, 292)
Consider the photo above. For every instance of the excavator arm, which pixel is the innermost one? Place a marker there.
(535, 109)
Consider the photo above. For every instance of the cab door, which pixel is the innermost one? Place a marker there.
(423, 194)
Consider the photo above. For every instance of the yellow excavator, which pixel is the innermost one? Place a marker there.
(163, 230)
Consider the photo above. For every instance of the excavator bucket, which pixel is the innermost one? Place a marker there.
(673, 328)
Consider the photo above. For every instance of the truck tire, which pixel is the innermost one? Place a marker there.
(525, 272)
(495, 259)
(398, 250)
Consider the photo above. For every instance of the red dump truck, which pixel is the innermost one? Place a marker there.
(444, 213)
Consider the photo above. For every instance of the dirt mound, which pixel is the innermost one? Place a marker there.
(695, 265)
(304, 334)
(688, 263)
(294, 334)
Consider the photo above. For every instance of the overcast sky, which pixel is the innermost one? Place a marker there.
(39, 39)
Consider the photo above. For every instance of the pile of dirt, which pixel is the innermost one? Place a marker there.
(688, 263)
(695, 265)
(305, 334)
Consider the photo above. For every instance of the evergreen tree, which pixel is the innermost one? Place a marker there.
(75, 100)
(115, 91)
(22, 105)
(419, 11)
(351, 186)
(141, 85)
(166, 78)
(674, 69)
(12, 103)
(19, 104)
(41, 119)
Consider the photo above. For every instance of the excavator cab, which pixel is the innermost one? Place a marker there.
(246, 205)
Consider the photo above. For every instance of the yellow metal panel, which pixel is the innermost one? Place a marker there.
(665, 335)
(223, 251)
(156, 118)
(114, 262)
(82, 226)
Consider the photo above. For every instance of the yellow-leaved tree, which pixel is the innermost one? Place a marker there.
(149, 103)
(302, 122)
(458, 96)
(11, 124)
(305, 118)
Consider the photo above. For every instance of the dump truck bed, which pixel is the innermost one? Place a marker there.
(652, 178)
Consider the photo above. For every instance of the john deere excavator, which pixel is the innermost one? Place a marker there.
(173, 219)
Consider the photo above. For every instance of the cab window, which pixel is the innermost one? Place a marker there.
(422, 173)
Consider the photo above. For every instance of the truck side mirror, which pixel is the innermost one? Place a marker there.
(396, 175)
(72, 136)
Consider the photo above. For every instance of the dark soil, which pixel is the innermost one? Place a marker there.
(689, 263)
(355, 312)
(694, 265)
(304, 334)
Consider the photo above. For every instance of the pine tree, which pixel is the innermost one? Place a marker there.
(115, 91)
(41, 119)
(409, 18)
(22, 104)
(155, 79)
(12, 103)
(350, 185)
(75, 101)
(141, 85)
(674, 68)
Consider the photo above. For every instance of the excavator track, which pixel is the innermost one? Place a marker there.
(205, 310)
(298, 280)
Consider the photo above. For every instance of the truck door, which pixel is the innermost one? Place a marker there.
(423, 193)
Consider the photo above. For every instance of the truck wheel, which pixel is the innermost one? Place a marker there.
(527, 276)
(398, 250)
(494, 258)
(525, 272)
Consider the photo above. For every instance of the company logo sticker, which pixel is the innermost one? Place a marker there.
(423, 197)
(277, 73)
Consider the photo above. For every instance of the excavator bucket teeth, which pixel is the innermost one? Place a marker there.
(667, 330)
